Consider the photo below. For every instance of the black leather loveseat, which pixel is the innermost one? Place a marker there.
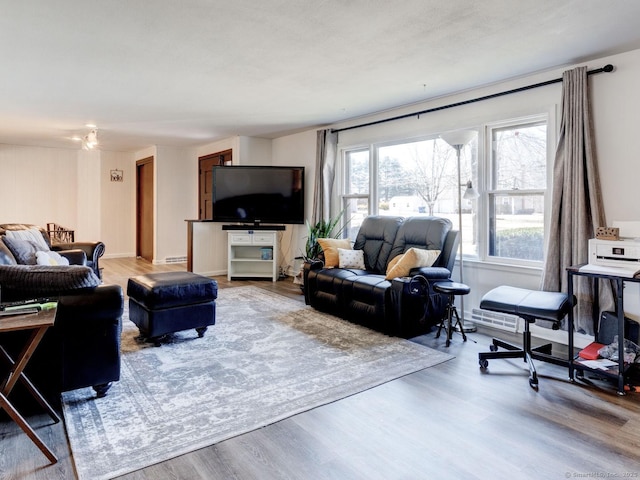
(366, 297)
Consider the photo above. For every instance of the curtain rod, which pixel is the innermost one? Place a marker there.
(607, 68)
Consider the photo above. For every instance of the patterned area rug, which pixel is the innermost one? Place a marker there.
(267, 358)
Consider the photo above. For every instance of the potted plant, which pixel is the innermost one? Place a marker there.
(321, 229)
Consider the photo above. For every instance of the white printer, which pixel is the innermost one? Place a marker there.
(615, 253)
(623, 254)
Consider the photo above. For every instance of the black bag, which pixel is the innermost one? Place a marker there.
(420, 288)
(608, 328)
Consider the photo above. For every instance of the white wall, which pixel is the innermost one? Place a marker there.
(253, 151)
(296, 150)
(616, 103)
(89, 198)
(118, 205)
(176, 200)
(38, 185)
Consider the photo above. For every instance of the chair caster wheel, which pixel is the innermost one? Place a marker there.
(484, 363)
(493, 348)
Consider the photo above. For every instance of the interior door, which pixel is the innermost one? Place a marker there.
(144, 208)
(205, 182)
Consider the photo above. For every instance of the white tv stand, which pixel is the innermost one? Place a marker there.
(253, 253)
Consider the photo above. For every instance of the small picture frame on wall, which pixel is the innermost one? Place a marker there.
(116, 176)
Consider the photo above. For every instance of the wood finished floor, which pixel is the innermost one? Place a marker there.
(448, 421)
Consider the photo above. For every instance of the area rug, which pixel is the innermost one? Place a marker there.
(267, 358)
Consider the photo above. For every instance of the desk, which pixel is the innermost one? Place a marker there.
(618, 281)
(38, 323)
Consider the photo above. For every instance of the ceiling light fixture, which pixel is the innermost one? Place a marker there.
(90, 140)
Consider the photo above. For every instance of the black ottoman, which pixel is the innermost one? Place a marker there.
(162, 303)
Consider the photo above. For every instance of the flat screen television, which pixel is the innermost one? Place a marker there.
(258, 194)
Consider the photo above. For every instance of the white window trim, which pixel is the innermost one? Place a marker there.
(481, 182)
(484, 180)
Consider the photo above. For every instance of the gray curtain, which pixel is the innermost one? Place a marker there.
(326, 152)
(576, 202)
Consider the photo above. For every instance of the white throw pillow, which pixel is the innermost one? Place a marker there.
(50, 258)
(351, 258)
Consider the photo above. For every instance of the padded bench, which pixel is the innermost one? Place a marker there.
(168, 302)
(528, 305)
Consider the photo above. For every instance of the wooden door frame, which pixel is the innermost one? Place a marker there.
(139, 163)
(220, 156)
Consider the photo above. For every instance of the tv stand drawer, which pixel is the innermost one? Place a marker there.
(266, 238)
(240, 239)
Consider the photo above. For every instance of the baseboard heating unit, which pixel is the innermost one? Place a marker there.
(175, 259)
(501, 321)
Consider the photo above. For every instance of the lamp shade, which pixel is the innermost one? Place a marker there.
(459, 138)
(470, 193)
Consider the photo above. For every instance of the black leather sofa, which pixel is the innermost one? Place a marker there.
(91, 251)
(82, 349)
(364, 296)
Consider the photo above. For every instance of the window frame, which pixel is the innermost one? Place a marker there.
(481, 179)
(487, 192)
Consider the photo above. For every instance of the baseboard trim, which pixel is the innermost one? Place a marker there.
(119, 255)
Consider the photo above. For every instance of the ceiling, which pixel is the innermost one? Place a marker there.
(190, 72)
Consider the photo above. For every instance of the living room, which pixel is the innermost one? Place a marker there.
(73, 187)
(97, 208)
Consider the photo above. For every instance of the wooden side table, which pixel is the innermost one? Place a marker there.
(38, 323)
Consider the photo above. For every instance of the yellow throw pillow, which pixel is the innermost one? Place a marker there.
(401, 265)
(330, 248)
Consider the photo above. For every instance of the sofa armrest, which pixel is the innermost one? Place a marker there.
(75, 257)
(309, 264)
(88, 328)
(431, 273)
(101, 302)
(93, 250)
(415, 310)
(82, 349)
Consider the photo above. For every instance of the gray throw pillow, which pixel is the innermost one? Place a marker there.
(24, 251)
(6, 257)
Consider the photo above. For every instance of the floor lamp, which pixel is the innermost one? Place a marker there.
(458, 140)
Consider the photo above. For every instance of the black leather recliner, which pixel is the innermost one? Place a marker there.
(366, 297)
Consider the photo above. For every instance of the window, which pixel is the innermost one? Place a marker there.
(355, 200)
(517, 186)
(408, 178)
(420, 177)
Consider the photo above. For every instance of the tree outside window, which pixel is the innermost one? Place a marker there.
(420, 178)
